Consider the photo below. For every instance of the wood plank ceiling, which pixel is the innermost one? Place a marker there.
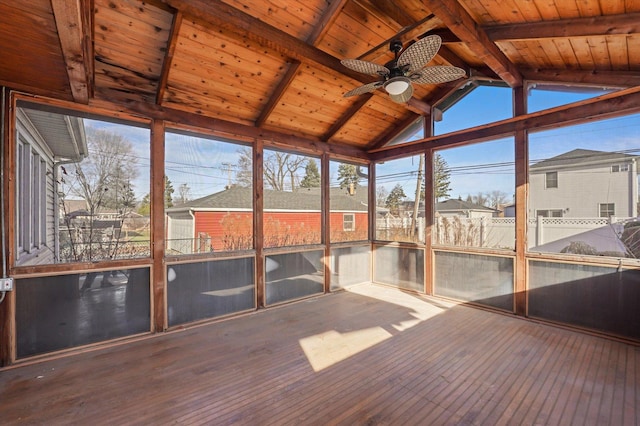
(256, 64)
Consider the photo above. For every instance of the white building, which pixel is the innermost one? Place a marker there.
(584, 183)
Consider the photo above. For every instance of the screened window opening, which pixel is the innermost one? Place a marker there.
(400, 200)
(81, 184)
(349, 202)
(208, 195)
(598, 199)
(474, 188)
(292, 199)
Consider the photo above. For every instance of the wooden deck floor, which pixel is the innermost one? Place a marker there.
(372, 355)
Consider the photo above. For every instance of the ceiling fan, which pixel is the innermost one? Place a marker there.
(399, 74)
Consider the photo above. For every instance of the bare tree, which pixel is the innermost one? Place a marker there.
(184, 194)
(496, 198)
(280, 169)
(110, 167)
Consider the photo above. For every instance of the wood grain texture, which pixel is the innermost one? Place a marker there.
(370, 355)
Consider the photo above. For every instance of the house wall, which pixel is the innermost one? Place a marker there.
(179, 233)
(581, 189)
(294, 227)
(37, 205)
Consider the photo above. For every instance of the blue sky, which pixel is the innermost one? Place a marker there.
(488, 166)
(207, 165)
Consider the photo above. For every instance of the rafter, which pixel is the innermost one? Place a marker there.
(627, 23)
(454, 16)
(73, 24)
(346, 116)
(218, 14)
(609, 105)
(611, 79)
(395, 131)
(168, 57)
(319, 30)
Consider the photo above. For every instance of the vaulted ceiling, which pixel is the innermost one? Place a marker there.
(274, 66)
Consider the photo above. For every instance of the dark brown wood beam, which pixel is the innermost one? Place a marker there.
(624, 24)
(605, 106)
(586, 78)
(329, 15)
(277, 93)
(74, 32)
(460, 22)
(217, 14)
(168, 57)
(346, 116)
(232, 130)
(386, 10)
(395, 131)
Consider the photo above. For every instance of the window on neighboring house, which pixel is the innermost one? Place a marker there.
(31, 185)
(349, 222)
(549, 213)
(551, 180)
(607, 209)
(620, 168)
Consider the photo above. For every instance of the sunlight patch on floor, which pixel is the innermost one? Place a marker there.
(328, 348)
(325, 349)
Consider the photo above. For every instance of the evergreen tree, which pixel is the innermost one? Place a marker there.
(145, 206)
(441, 177)
(312, 175)
(347, 176)
(394, 199)
(168, 193)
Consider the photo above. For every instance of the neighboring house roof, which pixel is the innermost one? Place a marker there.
(63, 134)
(454, 204)
(301, 199)
(581, 156)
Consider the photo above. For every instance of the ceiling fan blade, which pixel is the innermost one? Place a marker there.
(404, 96)
(367, 88)
(420, 53)
(365, 67)
(437, 74)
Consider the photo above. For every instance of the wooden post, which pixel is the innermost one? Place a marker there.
(158, 273)
(258, 220)
(7, 308)
(326, 219)
(372, 214)
(429, 216)
(522, 190)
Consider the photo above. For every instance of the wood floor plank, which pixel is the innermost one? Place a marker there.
(372, 355)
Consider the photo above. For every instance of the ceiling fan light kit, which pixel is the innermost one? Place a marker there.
(406, 69)
(396, 85)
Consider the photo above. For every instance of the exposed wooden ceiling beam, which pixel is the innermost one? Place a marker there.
(610, 105)
(346, 116)
(168, 57)
(627, 23)
(454, 16)
(612, 79)
(218, 14)
(277, 93)
(329, 15)
(73, 24)
(624, 24)
(230, 129)
(397, 129)
(385, 10)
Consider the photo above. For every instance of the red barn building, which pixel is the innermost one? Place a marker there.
(224, 220)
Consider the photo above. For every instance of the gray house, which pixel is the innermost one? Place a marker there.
(584, 183)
